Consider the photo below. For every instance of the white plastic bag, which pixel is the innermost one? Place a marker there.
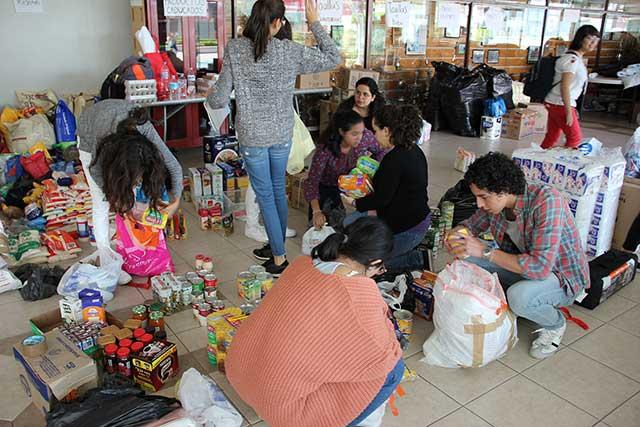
(27, 132)
(145, 40)
(205, 403)
(9, 282)
(632, 155)
(386, 288)
(99, 271)
(473, 324)
(425, 134)
(301, 147)
(313, 238)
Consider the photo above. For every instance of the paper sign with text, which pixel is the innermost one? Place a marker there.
(330, 11)
(398, 15)
(28, 6)
(186, 8)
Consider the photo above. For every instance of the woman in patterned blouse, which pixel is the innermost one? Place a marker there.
(341, 145)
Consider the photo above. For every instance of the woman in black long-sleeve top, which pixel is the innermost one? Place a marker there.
(400, 186)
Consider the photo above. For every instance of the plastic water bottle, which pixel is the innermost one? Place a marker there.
(182, 84)
(174, 89)
(191, 82)
(164, 80)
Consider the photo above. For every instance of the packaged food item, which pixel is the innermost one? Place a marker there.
(71, 309)
(140, 313)
(355, 186)
(155, 365)
(241, 278)
(110, 360)
(366, 166)
(92, 306)
(124, 362)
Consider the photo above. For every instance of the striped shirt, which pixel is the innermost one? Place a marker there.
(550, 236)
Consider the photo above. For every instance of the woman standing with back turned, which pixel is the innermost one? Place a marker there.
(263, 70)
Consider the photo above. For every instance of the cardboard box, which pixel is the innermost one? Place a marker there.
(152, 371)
(62, 369)
(327, 108)
(338, 95)
(349, 76)
(628, 209)
(296, 195)
(314, 81)
(47, 322)
(217, 179)
(523, 122)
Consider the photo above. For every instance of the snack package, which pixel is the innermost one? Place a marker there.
(366, 166)
(356, 186)
(61, 245)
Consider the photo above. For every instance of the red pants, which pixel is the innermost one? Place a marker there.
(558, 123)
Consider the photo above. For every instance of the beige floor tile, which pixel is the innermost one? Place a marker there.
(575, 332)
(601, 424)
(463, 385)
(584, 382)
(200, 356)
(30, 417)
(15, 316)
(9, 297)
(211, 244)
(245, 410)
(632, 290)
(229, 291)
(614, 348)
(238, 238)
(461, 418)
(194, 339)
(422, 405)
(422, 329)
(520, 402)
(627, 415)
(182, 350)
(261, 424)
(629, 321)
(125, 296)
(518, 357)
(610, 309)
(181, 321)
(13, 399)
(226, 267)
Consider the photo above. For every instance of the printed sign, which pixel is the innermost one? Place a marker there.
(186, 8)
(398, 15)
(28, 6)
(330, 11)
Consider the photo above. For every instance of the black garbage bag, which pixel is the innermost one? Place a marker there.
(499, 82)
(18, 190)
(112, 407)
(464, 105)
(41, 282)
(445, 73)
(463, 199)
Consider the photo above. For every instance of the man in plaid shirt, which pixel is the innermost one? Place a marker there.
(540, 260)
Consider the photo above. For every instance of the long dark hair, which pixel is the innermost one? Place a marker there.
(257, 28)
(582, 33)
(127, 158)
(376, 105)
(404, 122)
(285, 33)
(341, 121)
(366, 240)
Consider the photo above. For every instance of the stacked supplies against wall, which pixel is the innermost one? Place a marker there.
(64, 200)
(577, 177)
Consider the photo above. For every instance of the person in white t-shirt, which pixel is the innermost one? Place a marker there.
(569, 83)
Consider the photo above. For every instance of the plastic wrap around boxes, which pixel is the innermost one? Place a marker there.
(591, 185)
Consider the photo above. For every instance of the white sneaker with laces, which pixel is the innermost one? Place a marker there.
(256, 232)
(291, 233)
(547, 343)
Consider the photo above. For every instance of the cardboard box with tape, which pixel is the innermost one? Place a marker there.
(628, 209)
(314, 81)
(523, 122)
(349, 76)
(52, 368)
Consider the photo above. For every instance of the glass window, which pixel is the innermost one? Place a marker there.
(493, 25)
(423, 35)
(579, 4)
(628, 6)
(207, 40)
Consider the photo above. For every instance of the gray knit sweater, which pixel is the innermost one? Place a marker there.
(264, 89)
(102, 119)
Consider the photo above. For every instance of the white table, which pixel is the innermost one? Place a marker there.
(178, 104)
(614, 81)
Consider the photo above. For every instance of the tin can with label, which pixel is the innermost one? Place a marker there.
(257, 269)
(210, 294)
(405, 322)
(266, 279)
(210, 281)
(198, 285)
(252, 290)
(241, 278)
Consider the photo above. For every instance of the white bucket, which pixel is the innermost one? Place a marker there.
(490, 127)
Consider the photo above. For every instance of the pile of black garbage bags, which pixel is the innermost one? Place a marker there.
(456, 96)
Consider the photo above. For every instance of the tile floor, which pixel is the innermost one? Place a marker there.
(593, 380)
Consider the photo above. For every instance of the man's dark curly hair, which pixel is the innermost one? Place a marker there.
(404, 123)
(496, 173)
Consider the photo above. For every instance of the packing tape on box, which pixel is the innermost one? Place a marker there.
(34, 346)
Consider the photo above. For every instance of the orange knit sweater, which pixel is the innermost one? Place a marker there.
(316, 351)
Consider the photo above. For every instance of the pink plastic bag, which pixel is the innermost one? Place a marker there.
(143, 248)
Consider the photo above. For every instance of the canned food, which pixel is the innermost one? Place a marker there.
(404, 318)
(198, 285)
(241, 278)
(199, 260)
(217, 305)
(257, 269)
(202, 272)
(266, 279)
(207, 264)
(252, 290)
(187, 289)
(210, 294)
(204, 309)
(210, 281)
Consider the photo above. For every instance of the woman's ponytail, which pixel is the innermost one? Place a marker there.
(329, 250)
(258, 25)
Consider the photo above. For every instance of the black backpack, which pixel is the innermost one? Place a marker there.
(540, 81)
(132, 68)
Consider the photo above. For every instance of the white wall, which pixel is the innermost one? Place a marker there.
(70, 48)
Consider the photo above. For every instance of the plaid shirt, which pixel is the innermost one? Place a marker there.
(551, 239)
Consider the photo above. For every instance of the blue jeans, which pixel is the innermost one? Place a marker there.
(266, 167)
(389, 386)
(536, 300)
(404, 256)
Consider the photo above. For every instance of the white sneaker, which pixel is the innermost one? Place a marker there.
(547, 343)
(256, 232)
(291, 233)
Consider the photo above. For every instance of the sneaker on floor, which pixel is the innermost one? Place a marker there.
(275, 270)
(264, 253)
(547, 343)
(291, 233)
(256, 232)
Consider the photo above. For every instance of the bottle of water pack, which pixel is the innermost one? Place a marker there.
(164, 81)
(191, 82)
(182, 84)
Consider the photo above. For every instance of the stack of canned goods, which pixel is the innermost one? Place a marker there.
(162, 293)
(254, 283)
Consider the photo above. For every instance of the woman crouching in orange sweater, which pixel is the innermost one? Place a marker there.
(320, 349)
